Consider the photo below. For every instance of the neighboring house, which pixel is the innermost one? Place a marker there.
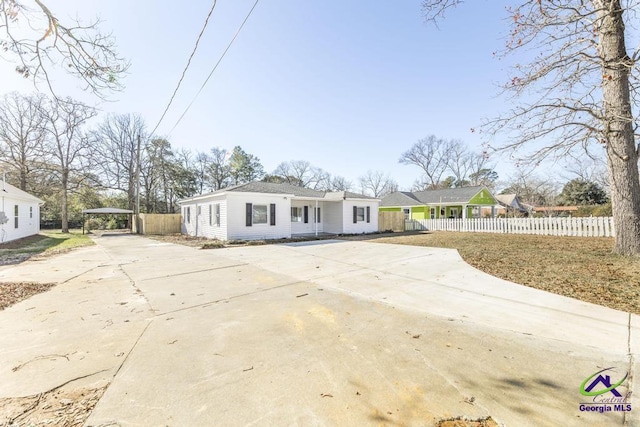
(463, 202)
(261, 210)
(555, 210)
(509, 205)
(19, 213)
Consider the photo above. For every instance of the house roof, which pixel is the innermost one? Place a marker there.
(294, 190)
(431, 197)
(511, 200)
(9, 190)
(274, 188)
(400, 198)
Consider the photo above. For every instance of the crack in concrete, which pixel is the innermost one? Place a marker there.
(43, 357)
(231, 298)
(138, 291)
(194, 272)
(464, 398)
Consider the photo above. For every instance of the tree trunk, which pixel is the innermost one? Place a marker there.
(622, 157)
(65, 205)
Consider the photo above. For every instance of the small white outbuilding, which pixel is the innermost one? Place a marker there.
(19, 213)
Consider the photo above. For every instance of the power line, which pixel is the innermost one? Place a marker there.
(184, 72)
(215, 66)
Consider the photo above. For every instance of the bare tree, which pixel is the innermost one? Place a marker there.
(589, 168)
(219, 168)
(587, 85)
(432, 155)
(377, 184)
(532, 189)
(459, 161)
(38, 41)
(339, 183)
(67, 145)
(303, 174)
(117, 151)
(21, 134)
(201, 165)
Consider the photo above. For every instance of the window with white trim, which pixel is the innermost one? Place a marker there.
(260, 214)
(360, 214)
(296, 214)
(432, 213)
(407, 213)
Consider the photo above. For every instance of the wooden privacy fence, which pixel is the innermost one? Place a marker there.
(391, 221)
(159, 224)
(583, 227)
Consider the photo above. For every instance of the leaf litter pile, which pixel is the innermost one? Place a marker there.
(11, 293)
(68, 408)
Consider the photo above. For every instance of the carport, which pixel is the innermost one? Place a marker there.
(107, 211)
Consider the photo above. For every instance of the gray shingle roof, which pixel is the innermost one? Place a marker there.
(399, 198)
(275, 188)
(448, 196)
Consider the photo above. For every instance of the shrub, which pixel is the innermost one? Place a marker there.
(256, 242)
(236, 242)
(215, 244)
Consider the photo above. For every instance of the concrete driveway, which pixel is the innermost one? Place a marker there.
(321, 333)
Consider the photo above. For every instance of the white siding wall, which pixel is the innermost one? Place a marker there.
(28, 222)
(333, 217)
(360, 226)
(310, 227)
(236, 220)
(199, 224)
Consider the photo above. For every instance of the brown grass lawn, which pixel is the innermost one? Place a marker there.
(578, 267)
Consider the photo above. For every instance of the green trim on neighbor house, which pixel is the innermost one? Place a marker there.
(444, 202)
(483, 197)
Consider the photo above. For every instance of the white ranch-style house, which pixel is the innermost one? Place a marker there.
(19, 213)
(261, 210)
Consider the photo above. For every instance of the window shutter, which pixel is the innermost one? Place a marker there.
(355, 214)
(306, 214)
(249, 214)
(368, 213)
(318, 220)
(272, 208)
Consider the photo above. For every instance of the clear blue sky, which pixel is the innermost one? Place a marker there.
(346, 85)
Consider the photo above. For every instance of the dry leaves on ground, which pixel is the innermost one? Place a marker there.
(58, 408)
(12, 293)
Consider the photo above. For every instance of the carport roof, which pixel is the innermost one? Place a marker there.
(106, 211)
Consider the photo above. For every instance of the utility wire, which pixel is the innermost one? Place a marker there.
(215, 66)
(184, 72)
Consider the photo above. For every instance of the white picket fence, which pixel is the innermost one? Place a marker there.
(583, 227)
